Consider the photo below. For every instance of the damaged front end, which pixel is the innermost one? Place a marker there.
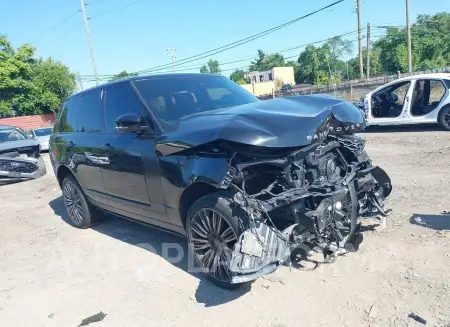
(21, 164)
(310, 197)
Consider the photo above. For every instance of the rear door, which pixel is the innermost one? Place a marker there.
(89, 142)
(76, 140)
(131, 174)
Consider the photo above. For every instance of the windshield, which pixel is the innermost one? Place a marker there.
(43, 131)
(171, 99)
(12, 134)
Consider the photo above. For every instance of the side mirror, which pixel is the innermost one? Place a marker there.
(129, 123)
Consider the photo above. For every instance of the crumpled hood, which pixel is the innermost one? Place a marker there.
(17, 144)
(282, 122)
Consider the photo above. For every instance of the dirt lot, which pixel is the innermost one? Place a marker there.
(52, 274)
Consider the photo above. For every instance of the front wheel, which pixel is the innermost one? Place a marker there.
(444, 118)
(78, 209)
(213, 228)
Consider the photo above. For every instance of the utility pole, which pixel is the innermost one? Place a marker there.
(83, 10)
(171, 55)
(408, 27)
(368, 51)
(358, 12)
(80, 82)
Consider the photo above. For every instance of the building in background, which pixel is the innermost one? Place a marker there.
(269, 81)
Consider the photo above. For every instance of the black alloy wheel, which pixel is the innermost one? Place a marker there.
(212, 231)
(75, 202)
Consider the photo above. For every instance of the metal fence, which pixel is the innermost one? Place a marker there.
(352, 89)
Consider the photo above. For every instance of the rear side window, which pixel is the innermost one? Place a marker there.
(447, 82)
(120, 99)
(68, 122)
(89, 107)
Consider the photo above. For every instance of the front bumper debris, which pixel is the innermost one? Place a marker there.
(21, 168)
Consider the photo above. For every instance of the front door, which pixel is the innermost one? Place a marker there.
(130, 161)
(390, 104)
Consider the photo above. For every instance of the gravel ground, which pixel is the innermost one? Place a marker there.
(52, 274)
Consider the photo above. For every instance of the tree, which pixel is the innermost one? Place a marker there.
(123, 74)
(30, 86)
(54, 82)
(211, 67)
(323, 65)
(266, 62)
(238, 76)
(430, 45)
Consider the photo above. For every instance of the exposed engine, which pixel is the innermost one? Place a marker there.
(312, 196)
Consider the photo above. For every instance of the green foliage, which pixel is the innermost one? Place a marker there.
(121, 75)
(30, 86)
(211, 67)
(238, 76)
(430, 45)
(324, 65)
(266, 62)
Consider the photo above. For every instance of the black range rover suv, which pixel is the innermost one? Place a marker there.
(198, 155)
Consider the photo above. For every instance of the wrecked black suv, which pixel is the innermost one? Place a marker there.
(247, 181)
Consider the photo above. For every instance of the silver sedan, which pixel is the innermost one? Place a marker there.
(43, 136)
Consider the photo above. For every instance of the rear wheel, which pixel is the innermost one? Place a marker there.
(78, 209)
(213, 228)
(444, 118)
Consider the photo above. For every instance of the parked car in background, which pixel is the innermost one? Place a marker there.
(19, 155)
(419, 99)
(244, 180)
(42, 135)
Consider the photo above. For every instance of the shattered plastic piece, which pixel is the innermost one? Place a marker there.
(95, 318)
(417, 318)
(373, 312)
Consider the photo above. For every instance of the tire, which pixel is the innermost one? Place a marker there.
(227, 220)
(78, 209)
(444, 118)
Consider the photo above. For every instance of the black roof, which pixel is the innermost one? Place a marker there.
(153, 76)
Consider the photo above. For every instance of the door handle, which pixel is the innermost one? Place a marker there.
(107, 146)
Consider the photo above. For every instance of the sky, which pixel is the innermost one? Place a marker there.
(133, 35)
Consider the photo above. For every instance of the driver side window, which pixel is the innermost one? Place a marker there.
(120, 99)
(400, 93)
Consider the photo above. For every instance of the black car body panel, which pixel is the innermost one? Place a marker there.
(286, 163)
(279, 123)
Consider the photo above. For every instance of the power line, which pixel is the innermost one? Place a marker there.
(92, 2)
(89, 78)
(246, 58)
(116, 9)
(241, 41)
(62, 22)
(61, 37)
(164, 70)
(280, 51)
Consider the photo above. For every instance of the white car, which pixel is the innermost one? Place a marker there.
(415, 99)
(43, 136)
